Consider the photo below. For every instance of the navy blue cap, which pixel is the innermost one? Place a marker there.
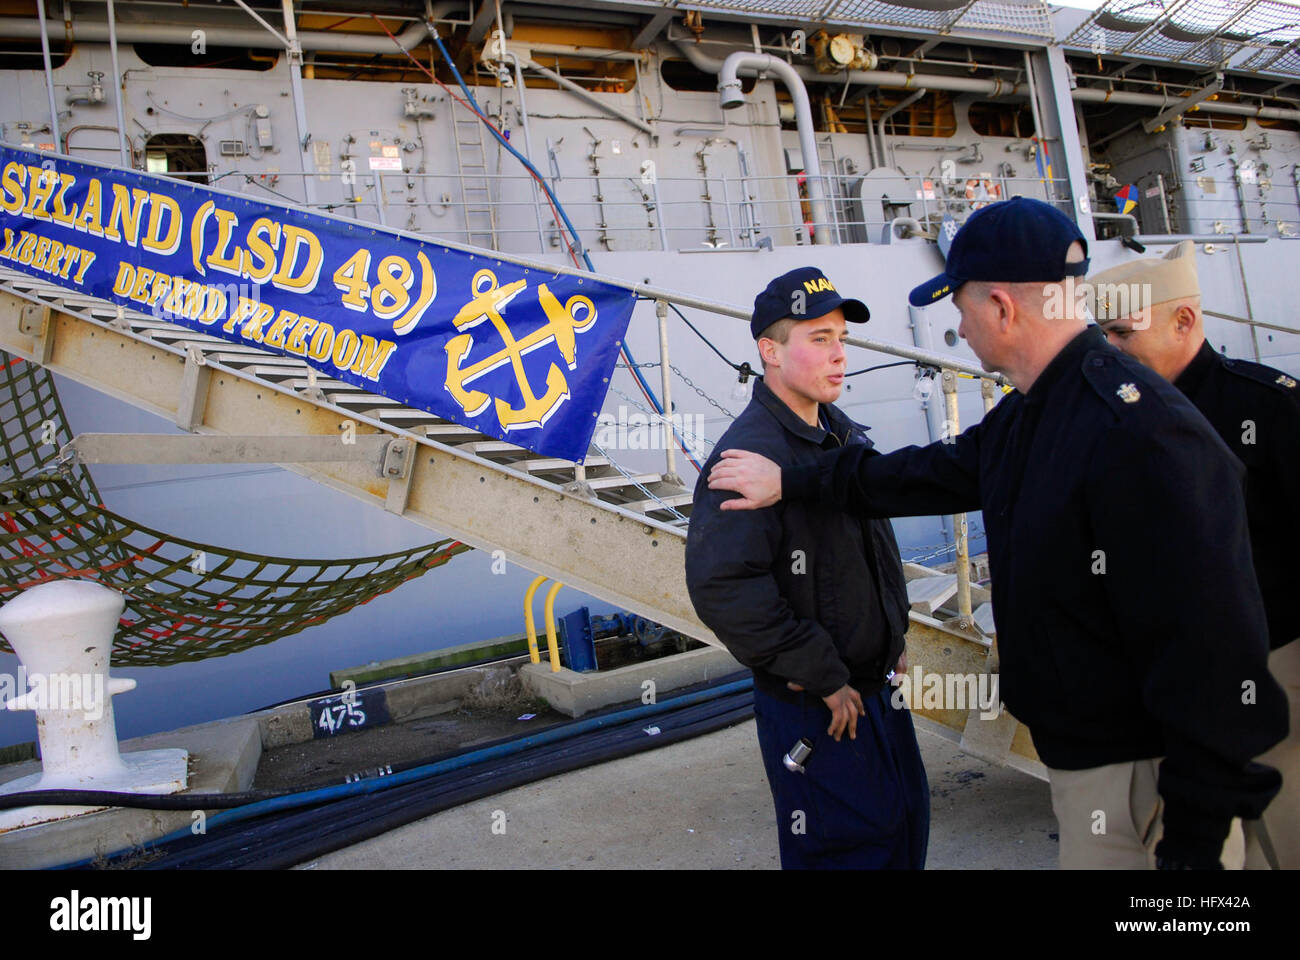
(802, 294)
(1013, 241)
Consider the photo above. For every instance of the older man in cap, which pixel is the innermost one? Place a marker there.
(814, 601)
(1118, 548)
(1151, 309)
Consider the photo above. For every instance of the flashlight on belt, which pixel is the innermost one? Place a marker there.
(798, 755)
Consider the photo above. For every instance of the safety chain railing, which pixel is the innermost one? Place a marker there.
(678, 516)
(933, 551)
(695, 440)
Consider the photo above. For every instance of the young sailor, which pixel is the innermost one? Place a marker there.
(813, 600)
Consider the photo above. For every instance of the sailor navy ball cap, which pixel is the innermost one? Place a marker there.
(1013, 241)
(802, 294)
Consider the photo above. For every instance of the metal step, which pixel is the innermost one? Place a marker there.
(273, 372)
(546, 465)
(662, 504)
(928, 594)
(358, 400)
(621, 480)
(445, 432)
(492, 446)
(268, 361)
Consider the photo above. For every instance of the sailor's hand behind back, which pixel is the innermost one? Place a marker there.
(845, 706)
(756, 478)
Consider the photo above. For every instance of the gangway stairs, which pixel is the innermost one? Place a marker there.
(613, 533)
(616, 534)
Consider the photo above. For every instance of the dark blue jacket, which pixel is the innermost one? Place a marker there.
(1256, 410)
(1130, 623)
(797, 591)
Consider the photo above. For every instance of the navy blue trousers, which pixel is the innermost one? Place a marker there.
(862, 804)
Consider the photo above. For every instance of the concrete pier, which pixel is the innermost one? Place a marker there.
(702, 804)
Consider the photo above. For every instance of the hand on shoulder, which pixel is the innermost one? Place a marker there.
(756, 478)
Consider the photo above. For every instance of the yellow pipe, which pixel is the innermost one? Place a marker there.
(533, 654)
(552, 643)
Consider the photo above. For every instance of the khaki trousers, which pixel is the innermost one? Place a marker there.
(1110, 818)
(1281, 821)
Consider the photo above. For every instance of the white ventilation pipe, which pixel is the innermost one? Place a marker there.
(731, 96)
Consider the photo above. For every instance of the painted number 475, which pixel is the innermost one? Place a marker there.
(335, 718)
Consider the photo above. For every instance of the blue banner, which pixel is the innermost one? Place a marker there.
(521, 354)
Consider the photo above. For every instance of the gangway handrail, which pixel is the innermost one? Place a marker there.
(1250, 322)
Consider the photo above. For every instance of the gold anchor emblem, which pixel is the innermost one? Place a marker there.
(1286, 381)
(563, 323)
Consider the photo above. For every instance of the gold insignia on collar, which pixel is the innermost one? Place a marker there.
(1128, 393)
(1286, 381)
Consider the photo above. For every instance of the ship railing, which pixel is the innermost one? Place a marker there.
(628, 212)
(1245, 203)
(737, 212)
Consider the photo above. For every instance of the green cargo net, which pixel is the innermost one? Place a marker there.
(184, 600)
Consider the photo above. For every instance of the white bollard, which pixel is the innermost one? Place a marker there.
(62, 631)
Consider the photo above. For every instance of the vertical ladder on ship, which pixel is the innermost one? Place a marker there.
(836, 202)
(714, 239)
(475, 187)
(748, 210)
